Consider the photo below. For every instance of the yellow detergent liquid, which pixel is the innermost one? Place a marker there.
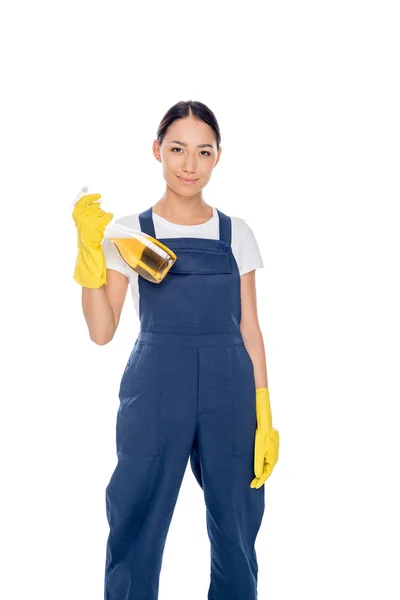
(146, 255)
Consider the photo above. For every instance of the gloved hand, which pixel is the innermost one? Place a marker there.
(90, 221)
(266, 446)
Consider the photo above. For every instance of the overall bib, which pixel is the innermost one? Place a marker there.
(187, 391)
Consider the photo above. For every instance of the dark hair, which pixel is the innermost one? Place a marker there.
(191, 108)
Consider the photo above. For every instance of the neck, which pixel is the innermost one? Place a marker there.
(183, 210)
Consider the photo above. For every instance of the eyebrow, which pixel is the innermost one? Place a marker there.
(199, 146)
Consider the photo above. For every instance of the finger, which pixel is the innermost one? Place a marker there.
(265, 475)
(93, 212)
(85, 202)
(263, 447)
(87, 199)
(108, 217)
(254, 482)
(103, 221)
(258, 475)
(258, 455)
(257, 482)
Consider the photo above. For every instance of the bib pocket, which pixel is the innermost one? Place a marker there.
(201, 261)
(196, 292)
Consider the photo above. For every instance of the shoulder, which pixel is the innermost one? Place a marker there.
(240, 229)
(245, 246)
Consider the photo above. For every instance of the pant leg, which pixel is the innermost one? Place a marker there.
(222, 460)
(154, 434)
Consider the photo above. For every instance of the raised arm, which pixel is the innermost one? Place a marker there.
(103, 290)
(102, 307)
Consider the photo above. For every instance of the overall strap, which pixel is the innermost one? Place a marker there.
(225, 227)
(146, 222)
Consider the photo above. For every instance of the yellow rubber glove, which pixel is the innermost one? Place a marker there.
(266, 446)
(90, 221)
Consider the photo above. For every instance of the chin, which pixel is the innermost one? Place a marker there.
(183, 190)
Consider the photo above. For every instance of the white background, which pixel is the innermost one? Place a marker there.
(307, 98)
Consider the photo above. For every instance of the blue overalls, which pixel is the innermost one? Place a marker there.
(188, 390)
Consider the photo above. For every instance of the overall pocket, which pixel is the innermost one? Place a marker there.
(138, 419)
(130, 367)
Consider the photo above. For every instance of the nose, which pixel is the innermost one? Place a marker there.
(189, 164)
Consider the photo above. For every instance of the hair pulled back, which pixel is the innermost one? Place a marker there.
(189, 108)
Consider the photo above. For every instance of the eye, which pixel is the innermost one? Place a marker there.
(176, 148)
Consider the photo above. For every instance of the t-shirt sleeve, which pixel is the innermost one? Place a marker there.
(250, 255)
(113, 258)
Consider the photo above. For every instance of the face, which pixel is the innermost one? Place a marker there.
(188, 152)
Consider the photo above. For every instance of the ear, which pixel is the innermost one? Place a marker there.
(218, 156)
(156, 150)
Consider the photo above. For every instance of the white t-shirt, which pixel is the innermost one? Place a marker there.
(244, 244)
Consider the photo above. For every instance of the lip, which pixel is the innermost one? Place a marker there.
(187, 181)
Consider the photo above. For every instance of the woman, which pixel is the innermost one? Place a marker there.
(195, 384)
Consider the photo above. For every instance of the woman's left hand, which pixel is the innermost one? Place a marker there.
(266, 446)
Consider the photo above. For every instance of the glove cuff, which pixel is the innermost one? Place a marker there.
(90, 268)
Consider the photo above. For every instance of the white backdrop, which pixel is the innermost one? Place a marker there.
(307, 98)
